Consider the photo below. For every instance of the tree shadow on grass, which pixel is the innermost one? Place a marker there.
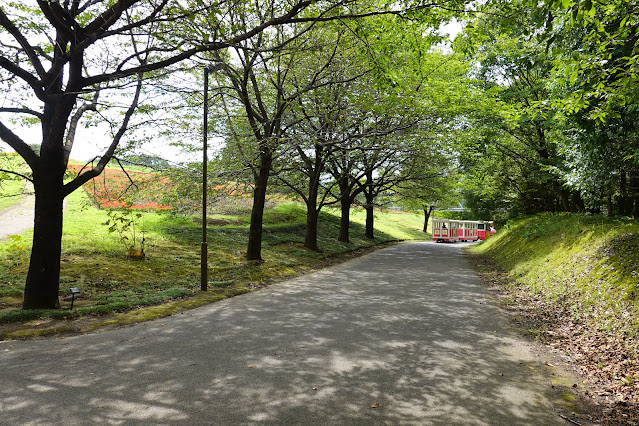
(402, 336)
(235, 237)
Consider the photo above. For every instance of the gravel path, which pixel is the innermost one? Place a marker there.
(405, 335)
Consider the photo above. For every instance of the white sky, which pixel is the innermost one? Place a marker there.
(93, 142)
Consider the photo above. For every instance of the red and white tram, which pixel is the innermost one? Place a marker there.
(485, 229)
(449, 230)
(445, 230)
(469, 230)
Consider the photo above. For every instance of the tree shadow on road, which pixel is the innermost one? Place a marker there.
(402, 336)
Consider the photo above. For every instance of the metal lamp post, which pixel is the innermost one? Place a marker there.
(204, 272)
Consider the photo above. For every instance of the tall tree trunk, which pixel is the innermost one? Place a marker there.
(310, 239)
(370, 219)
(610, 205)
(625, 201)
(254, 249)
(314, 169)
(370, 198)
(427, 211)
(43, 278)
(345, 204)
(634, 188)
(578, 202)
(566, 205)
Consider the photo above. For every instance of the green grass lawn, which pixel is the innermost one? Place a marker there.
(96, 260)
(11, 193)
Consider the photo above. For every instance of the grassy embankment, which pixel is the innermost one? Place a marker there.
(168, 277)
(11, 193)
(589, 264)
(574, 282)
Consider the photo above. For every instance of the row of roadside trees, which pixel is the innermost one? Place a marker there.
(331, 100)
(339, 112)
(71, 64)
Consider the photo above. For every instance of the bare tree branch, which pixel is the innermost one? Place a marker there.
(23, 111)
(24, 75)
(73, 124)
(20, 146)
(6, 23)
(90, 174)
(17, 174)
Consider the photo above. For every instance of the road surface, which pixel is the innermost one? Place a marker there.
(405, 335)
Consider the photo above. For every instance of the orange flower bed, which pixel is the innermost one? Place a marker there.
(114, 189)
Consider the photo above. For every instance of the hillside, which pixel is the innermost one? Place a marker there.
(573, 282)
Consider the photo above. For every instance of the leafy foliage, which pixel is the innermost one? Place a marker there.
(127, 225)
(78, 60)
(558, 124)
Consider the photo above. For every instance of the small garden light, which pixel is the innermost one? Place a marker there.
(74, 291)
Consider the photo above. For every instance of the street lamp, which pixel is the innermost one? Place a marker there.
(204, 272)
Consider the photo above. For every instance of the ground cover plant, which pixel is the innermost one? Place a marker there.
(573, 282)
(96, 260)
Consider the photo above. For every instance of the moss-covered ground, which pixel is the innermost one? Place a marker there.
(587, 263)
(119, 289)
(573, 282)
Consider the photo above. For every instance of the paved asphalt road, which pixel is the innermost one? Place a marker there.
(408, 328)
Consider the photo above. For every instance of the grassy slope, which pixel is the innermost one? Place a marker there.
(96, 260)
(573, 281)
(588, 263)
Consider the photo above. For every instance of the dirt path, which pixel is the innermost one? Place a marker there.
(18, 218)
